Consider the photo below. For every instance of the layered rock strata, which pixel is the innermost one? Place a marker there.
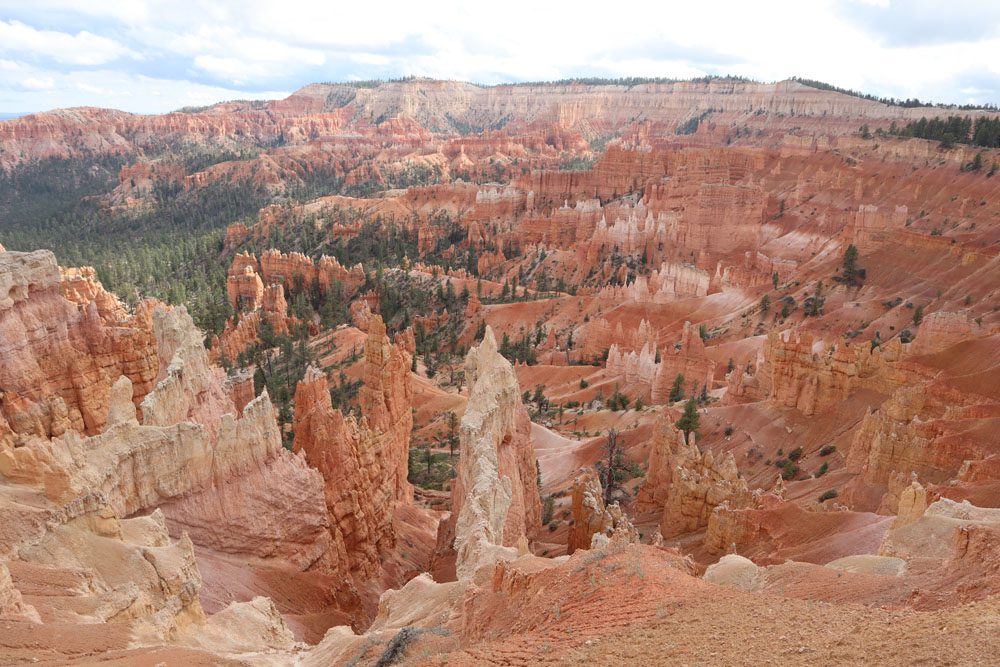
(63, 344)
(363, 463)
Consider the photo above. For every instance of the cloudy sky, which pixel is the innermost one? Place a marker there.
(151, 56)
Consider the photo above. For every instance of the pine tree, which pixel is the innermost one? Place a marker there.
(690, 420)
(677, 390)
(452, 432)
(613, 471)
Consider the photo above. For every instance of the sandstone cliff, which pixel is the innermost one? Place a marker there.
(364, 464)
(217, 476)
(63, 343)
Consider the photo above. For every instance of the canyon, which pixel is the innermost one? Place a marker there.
(520, 374)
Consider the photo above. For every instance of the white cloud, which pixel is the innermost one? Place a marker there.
(83, 48)
(106, 88)
(36, 83)
(246, 46)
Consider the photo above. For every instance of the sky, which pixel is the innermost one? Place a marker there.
(148, 56)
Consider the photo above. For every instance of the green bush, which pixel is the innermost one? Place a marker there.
(789, 470)
(548, 508)
(828, 495)
(826, 450)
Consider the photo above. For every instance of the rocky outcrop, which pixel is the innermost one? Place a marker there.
(891, 440)
(238, 491)
(224, 479)
(686, 357)
(667, 448)
(946, 530)
(495, 500)
(795, 373)
(942, 329)
(243, 285)
(214, 476)
(386, 400)
(697, 489)
(63, 344)
(12, 605)
(686, 485)
(595, 524)
(912, 504)
(363, 463)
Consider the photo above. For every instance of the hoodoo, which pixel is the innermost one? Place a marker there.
(430, 372)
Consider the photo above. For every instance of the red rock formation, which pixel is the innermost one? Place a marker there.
(221, 481)
(247, 278)
(240, 389)
(386, 401)
(685, 485)
(495, 499)
(593, 523)
(686, 357)
(797, 374)
(243, 285)
(364, 464)
(63, 346)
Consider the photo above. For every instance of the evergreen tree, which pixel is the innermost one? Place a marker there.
(452, 433)
(677, 390)
(850, 263)
(613, 470)
(690, 420)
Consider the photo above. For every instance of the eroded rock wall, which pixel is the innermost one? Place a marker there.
(495, 498)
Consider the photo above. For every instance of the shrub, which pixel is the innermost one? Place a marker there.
(395, 650)
(729, 431)
(822, 469)
(826, 450)
(789, 470)
(618, 401)
(548, 509)
(828, 495)
(583, 383)
(795, 454)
